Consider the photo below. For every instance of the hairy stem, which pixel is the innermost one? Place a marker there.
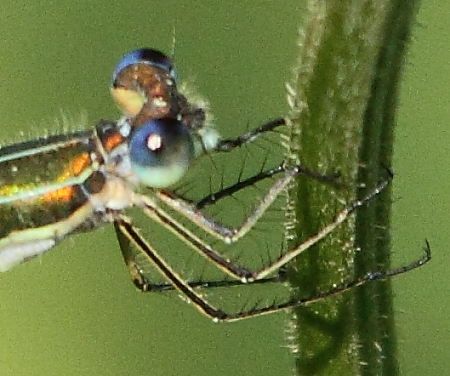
(343, 104)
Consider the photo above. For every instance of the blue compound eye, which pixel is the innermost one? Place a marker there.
(146, 56)
(161, 151)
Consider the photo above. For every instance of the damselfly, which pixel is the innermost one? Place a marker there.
(58, 185)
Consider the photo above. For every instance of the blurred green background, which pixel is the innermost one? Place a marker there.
(75, 312)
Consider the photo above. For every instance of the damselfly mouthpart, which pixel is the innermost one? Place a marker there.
(55, 186)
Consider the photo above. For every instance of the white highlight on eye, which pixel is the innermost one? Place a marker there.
(154, 142)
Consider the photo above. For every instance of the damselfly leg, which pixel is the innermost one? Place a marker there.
(55, 186)
(273, 272)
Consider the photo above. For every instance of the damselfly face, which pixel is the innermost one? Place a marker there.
(55, 186)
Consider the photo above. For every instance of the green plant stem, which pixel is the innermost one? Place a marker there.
(343, 103)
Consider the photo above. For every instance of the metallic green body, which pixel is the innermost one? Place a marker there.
(42, 181)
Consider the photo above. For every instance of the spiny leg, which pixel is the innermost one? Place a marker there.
(130, 233)
(369, 277)
(214, 197)
(136, 273)
(232, 143)
(154, 212)
(157, 214)
(226, 234)
(230, 235)
(192, 211)
(142, 283)
(322, 233)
